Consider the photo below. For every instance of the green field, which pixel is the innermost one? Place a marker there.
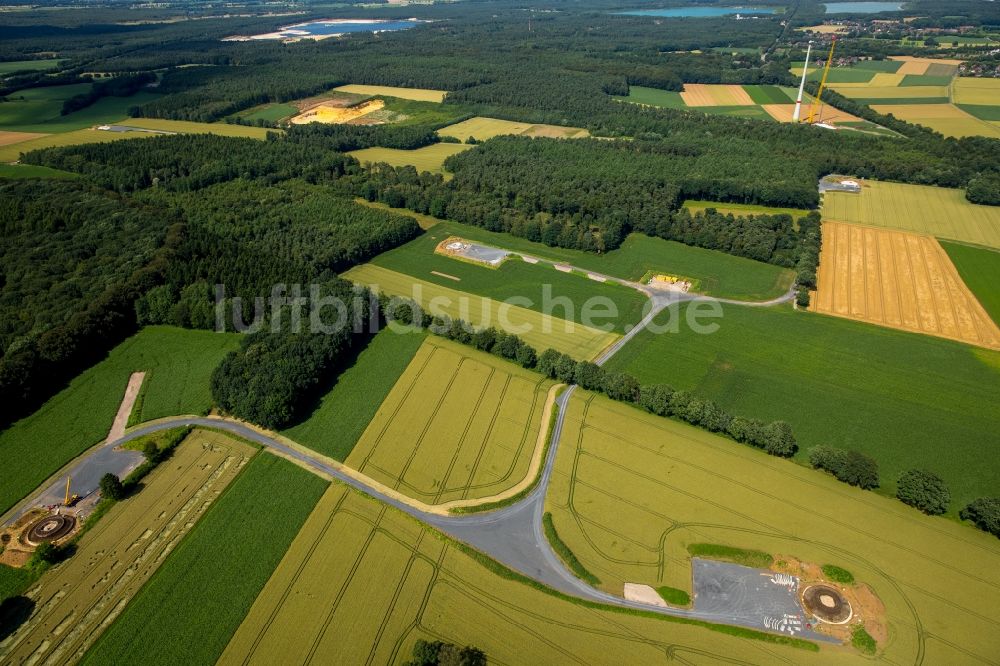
(362, 582)
(938, 211)
(336, 424)
(470, 421)
(655, 97)
(514, 278)
(886, 66)
(538, 330)
(191, 606)
(924, 80)
(843, 75)
(768, 94)
(981, 111)
(632, 491)
(13, 152)
(715, 273)
(429, 158)
(754, 112)
(893, 395)
(27, 65)
(980, 270)
(18, 171)
(269, 112)
(743, 209)
(178, 364)
(39, 110)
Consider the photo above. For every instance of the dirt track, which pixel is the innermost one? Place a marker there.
(125, 409)
(899, 280)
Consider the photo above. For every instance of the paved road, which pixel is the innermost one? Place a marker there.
(512, 535)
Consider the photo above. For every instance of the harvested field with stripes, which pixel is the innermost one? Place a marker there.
(482, 128)
(947, 119)
(539, 330)
(10, 138)
(362, 582)
(936, 211)
(75, 601)
(418, 94)
(900, 280)
(459, 424)
(700, 94)
(631, 491)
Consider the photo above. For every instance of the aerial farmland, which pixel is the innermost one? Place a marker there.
(491, 333)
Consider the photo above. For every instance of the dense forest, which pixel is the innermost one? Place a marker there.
(202, 210)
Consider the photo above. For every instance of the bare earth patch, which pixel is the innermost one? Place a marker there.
(644, 594)
(10, 138)
(125, 409)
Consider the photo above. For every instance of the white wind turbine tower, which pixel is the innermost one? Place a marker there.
(802, 85)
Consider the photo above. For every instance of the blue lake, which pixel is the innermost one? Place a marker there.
(861, 7)
(325, 28)
(698, 12)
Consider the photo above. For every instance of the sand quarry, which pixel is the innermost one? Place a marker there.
(331, 111)
(900, 280)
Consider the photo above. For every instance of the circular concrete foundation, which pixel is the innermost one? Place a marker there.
(827, 604)
(49, 528)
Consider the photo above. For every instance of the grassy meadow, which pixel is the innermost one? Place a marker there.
(894, 395)
(632, 492)
(18, 171)
(513, 278)
(469, 419)
(538, 330)
(361, 570)
(343, 413)
(714, 273)
(936, 211)
(40, 109)
(178, 364)
(696, 206)
(191, 606)
(980, 270)
(9, 66)
(429, 158)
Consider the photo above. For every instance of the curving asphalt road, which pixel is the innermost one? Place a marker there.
(512, 535)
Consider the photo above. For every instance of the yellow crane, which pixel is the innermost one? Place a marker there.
(822, 84)
(70, 499)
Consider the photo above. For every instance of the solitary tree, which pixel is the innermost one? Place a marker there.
(111, 487)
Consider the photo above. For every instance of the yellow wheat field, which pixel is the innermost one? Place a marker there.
(947, 119)
(470, 422)
(899, 280)
(418, 94)
(890, 92)
(936, 211)
(699, 94)
(970, 90)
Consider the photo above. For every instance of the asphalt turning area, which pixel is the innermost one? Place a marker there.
(756, 598)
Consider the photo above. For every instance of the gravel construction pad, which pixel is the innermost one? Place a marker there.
(754, 597)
